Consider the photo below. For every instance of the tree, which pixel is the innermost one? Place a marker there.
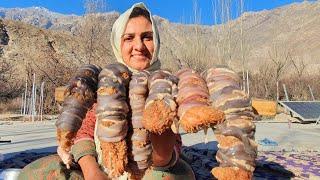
(196, 56)
(93, 31)
(300, 90)
(95, 6)
(10, 87)
(299, 65)
(279, 58)
(4, 38)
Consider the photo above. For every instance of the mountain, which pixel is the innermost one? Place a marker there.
(40, 17)
(53, 45)
(292, 28)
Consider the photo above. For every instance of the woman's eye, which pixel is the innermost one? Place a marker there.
(129, 38)
(148, 38)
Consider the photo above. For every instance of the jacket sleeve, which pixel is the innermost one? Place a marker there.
(84, 140)
(86, 131)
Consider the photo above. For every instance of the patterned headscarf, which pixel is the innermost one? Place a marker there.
(118, 29)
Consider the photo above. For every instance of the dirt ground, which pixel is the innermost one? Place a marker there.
(36, 138)
(289, 137)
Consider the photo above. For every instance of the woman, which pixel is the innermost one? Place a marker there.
(135, 42)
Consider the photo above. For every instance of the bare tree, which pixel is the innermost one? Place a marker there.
(299, 65)
(197, 54)
(261, 82)
(4, 38)
(300, 85)
(10, 87)
(51, 68)
(279, 58)
(279, 63)
(93, 33)
(227, 41)
(95, 6)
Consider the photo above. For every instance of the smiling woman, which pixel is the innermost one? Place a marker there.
(137, 41)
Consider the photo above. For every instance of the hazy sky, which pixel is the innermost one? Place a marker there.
(174, 10)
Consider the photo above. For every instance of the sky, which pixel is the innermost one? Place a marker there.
(180, 11)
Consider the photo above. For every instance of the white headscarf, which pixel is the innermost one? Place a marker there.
(118, 29)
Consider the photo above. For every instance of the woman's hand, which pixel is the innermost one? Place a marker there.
(162, 147)
(65, 156)
(90, 168)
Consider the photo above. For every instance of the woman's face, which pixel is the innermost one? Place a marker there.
(137, 43)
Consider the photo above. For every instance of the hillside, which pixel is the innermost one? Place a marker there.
(53, 45)
(290, 28)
